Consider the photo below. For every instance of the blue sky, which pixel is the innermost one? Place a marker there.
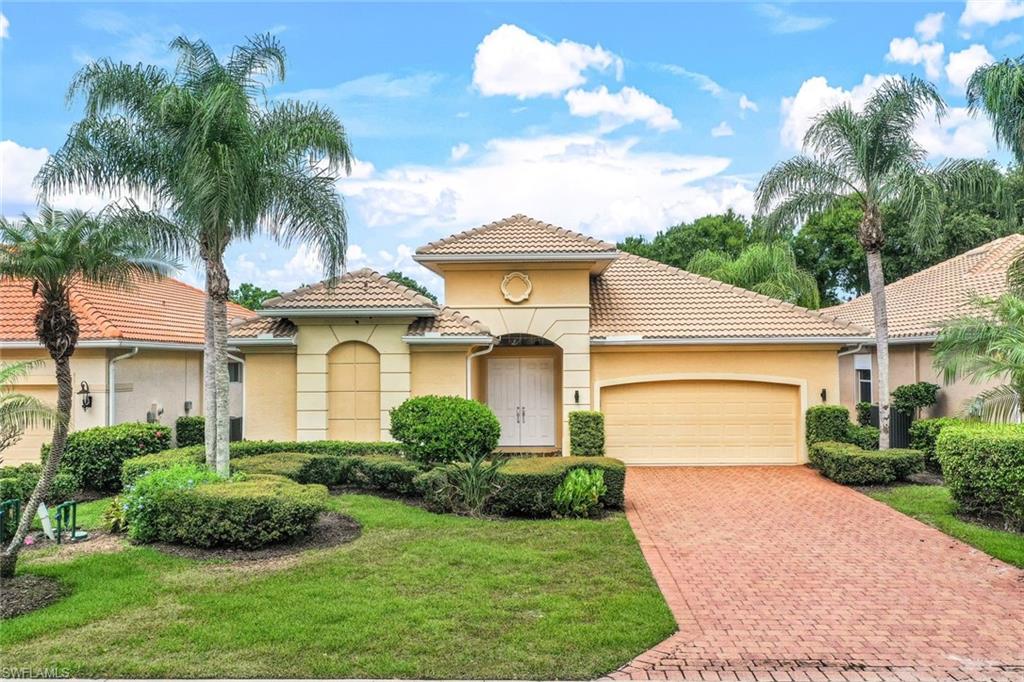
(611, 119)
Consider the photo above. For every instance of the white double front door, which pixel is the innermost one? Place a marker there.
(521, 392)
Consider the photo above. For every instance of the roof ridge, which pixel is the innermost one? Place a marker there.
(778, 303)
(362, 273)
(494, 224)
(107, 328)
(994, 250)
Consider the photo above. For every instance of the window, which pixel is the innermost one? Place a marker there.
(864, 385)
(235, 372)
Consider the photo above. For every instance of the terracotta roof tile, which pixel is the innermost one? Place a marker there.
(919, 304)
(262, 327)
(515, 234)
(359, 289)
(640, 297)
(449, 322)
(162, 310)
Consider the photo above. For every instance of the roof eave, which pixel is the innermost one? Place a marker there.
(113, 343)
(449, 340)
(601, 259)
(639, 340)
(406, 311)
(257, 341)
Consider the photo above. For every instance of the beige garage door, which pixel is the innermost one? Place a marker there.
(702, 422)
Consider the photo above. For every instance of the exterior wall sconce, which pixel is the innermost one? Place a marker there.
(576, 396)
(824, 395)
(86, 396)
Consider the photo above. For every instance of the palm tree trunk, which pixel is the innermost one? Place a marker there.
(218, 288)
(209, 380)
(9, 558)
(876, 280)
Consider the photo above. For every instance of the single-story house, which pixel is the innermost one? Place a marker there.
(917, 307)
(146, 342)
(540, 321)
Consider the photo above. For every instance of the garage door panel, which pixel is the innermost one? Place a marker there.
(702, 422)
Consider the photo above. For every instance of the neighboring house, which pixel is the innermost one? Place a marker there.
(146, 341)
(917, 307)
(541, 321)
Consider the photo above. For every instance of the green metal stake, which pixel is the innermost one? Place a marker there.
(9, 510)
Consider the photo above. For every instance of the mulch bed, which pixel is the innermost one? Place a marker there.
(27, 592)
(331, 529)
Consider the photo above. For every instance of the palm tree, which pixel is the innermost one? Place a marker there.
(17, 410)
(767, 268)
(985, 347)
(871, 156)
(218, 164)
(54, 252)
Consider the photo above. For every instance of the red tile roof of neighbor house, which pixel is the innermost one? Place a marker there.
(919, 304)
(161, 310)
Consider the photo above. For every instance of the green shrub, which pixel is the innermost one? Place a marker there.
(526, 487)
(435, 489)
(910, 398)
(115, 516)
(391, 474)
(18, 482)
(850, 465)
(189, 431)
(827, 422)
(586, 433)
(183, 505)
(924, 433)
(439, 429)
(134, 468)
(579, 493)
(983, 465)
(864, 413)
(865, 437)
(301, 467)
(93, 457)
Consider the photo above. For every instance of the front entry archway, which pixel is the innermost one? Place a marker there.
(522, 389)
(353, 392)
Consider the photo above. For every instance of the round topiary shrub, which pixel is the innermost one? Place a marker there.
(189, 505)
(439, 429)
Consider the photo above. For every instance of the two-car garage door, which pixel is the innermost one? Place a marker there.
(702, 422)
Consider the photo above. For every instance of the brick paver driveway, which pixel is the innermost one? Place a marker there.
(774, 573)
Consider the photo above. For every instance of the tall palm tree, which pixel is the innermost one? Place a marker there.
(218, 163)
(767, 268)
(871, 156)
(54, 252)
(985, 347)
(17, 410)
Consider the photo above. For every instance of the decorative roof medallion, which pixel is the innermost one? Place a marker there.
(516, 287)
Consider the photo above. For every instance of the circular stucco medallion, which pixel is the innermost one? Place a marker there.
(516, 287)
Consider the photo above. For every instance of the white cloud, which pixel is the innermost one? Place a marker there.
(377, 86)
(991, 12)
(134, 39)
(459, 151)
(930, 27)
(746, 104)
(964, 63)
(615, 189)
(614, 110)
(723, 129)
(4, 25)
(958, 134)
(510, 61)
(361, 169)
(784, 21)
(703, 81)
(1007, 40)
(909, 51)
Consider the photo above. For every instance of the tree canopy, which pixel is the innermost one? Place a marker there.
(407, 281)
(252, 296)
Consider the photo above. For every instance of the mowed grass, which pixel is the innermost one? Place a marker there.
(933, 505)
(418, 595)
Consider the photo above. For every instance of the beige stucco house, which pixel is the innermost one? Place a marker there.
(146, 342)
(917, 306)
(540, 321)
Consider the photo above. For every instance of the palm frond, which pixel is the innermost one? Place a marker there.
(998, 91)
(997, 404)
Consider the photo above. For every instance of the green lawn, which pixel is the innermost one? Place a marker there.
(933, 505)
(418, 595)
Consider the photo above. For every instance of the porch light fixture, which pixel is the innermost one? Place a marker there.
(576, 396)
(824, 395)
(86, 396)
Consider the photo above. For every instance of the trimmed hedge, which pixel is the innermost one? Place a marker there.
(865, 437)
(586, 433)
(138, 466)
(380, 472)
(983, 465)
(864, 413)
(18, 482)
(93, 457)
(827, 423)
(910, 398)
(249, 512)
(924, 433)
(189, 431)
(438, 429)
(850, 465)
(526, 487)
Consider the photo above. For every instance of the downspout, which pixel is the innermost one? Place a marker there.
(244, 374)
(859, 348)
(111, 390)
(469, 368)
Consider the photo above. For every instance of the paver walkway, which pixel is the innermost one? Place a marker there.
(775, 573)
